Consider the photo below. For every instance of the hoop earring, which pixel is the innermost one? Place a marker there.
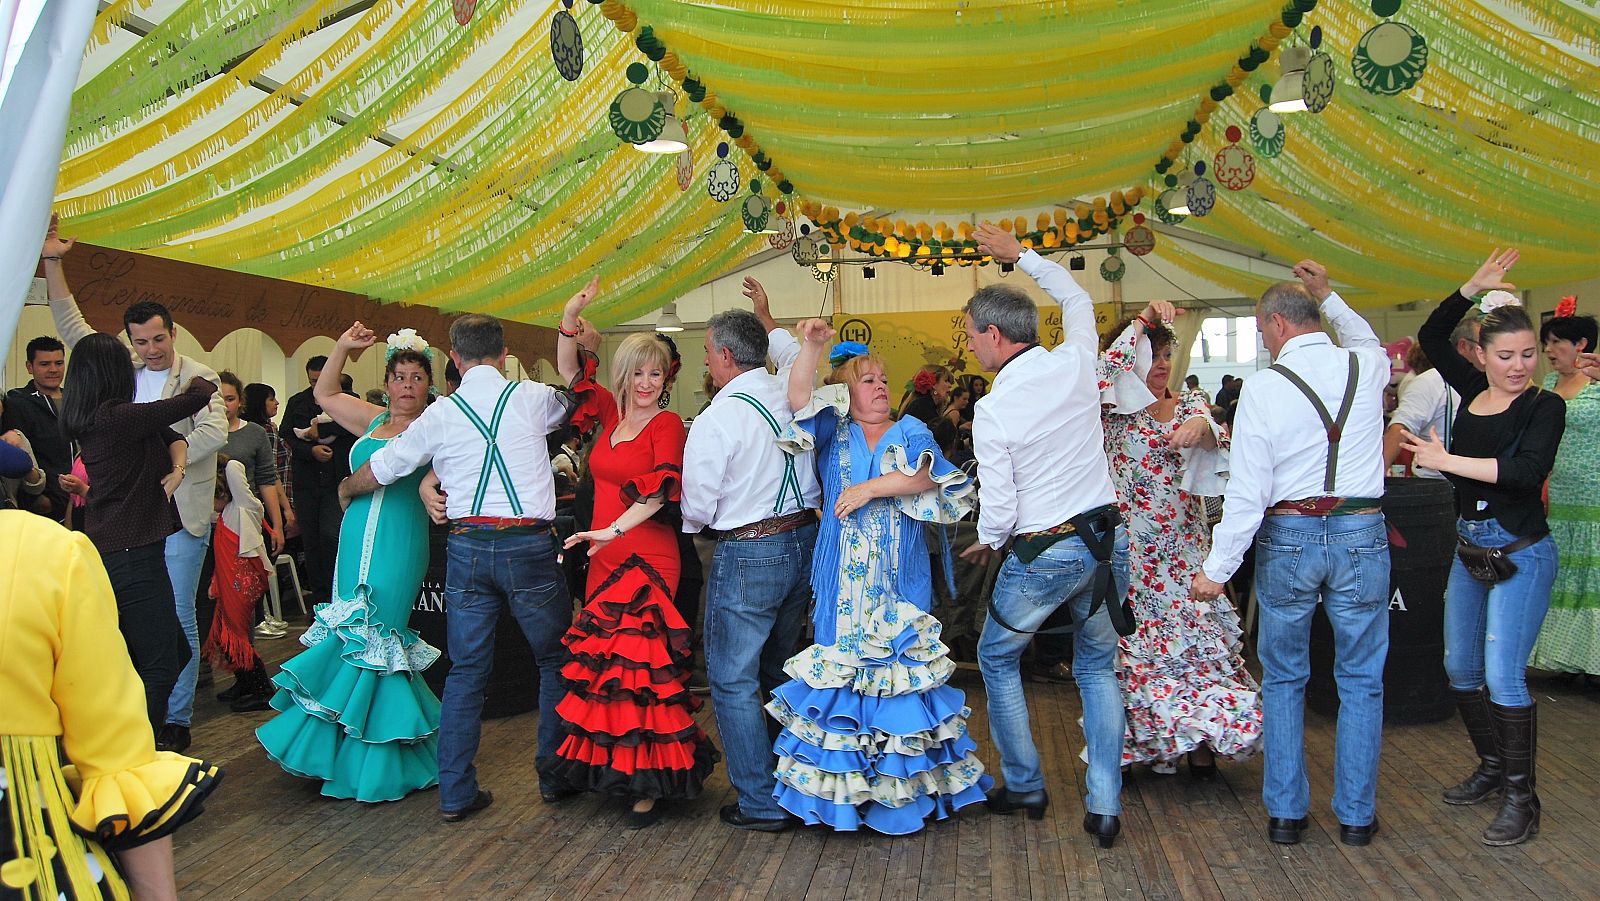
(664, 399)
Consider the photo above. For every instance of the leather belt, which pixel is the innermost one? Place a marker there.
(491, 527)
(766, 528)
(1327, 506)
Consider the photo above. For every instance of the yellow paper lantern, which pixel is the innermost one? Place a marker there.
(1060, 217)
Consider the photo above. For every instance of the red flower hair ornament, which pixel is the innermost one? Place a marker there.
(1567, 307)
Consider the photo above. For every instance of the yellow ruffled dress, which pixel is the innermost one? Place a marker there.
(67, 685)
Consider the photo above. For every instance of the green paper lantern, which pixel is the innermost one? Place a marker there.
(637, 116)
(1389, 59)
(1385, 8)
(638, 73)
(1266, 133)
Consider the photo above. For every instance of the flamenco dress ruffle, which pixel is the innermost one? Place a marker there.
(354, 710)
(628, 713)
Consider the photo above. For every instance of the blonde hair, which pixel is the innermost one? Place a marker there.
(849, 372)
(637, 351)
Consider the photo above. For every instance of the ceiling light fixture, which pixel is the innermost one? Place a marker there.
(674, 137)
(668, 321)
(1288, 95)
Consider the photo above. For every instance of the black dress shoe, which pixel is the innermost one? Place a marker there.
(1004, 800)
(1359, 836)
(233, 691)
(557, 795)
(173, 737)
(1102, 827)
(644, 819)
(1285, 831)
(484, 799)
(733, 816)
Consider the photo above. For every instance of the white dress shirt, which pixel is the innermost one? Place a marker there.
(444, 435)
(733, 467)
(1037, 433)
(1426, 402)
(1280, 448)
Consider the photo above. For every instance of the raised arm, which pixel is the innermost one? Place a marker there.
(69, 321)
(571, 327)
(1349, 329)
(803, 374)
(1077, 307)
(353, 414)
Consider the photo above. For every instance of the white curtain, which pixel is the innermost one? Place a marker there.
(1184, 330)
(44, 44)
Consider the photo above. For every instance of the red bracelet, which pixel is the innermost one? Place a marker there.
(1143, 321)
(564, 333)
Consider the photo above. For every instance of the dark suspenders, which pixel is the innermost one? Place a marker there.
(1333, 425)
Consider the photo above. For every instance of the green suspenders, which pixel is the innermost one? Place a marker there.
(791, 482)
(492, 460)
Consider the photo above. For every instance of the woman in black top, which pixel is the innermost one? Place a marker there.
(135, 462)
(1502, 448)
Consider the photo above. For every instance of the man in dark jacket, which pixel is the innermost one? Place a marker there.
(32, 410)
(319, 460)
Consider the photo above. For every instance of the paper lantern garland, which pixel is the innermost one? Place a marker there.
(756, 210)
(1266, 133)
(1112, 269)
(785, 234)
(638, 115)
(566, 45)
(1389, 59)
(685, 170)
(1201, 193)
(1139, 240)
(722, 179)
(1233, 165)
(1319, 82)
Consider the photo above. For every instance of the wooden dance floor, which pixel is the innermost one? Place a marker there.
(268, 835)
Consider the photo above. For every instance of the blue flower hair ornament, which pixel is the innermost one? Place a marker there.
(846, 350)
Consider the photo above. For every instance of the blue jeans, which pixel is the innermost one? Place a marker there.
(756, 604)
(186, 554)
(1344, 562)
(1025, 595)
(518, 572)
(1489, 630)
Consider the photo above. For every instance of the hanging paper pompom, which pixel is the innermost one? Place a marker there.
(566, 45)
(1233, 165)
(1389, 59)
(722, 179)
(1385, 8)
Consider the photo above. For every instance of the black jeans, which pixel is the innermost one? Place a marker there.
(148, 618)
(320, 517)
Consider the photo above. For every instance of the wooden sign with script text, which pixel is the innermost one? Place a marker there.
(210, 303)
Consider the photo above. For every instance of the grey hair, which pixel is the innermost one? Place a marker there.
(1293, 302)
(476, 336)
(739, 332)
(1006, 308)
(1466, 330)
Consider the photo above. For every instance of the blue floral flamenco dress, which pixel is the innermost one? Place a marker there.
(872, 736)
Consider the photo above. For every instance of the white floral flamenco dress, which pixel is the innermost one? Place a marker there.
(872, 736)
(1182, 672)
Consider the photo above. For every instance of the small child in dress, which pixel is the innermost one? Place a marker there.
(237, 584)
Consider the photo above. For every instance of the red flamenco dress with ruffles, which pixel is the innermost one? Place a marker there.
(628, 711)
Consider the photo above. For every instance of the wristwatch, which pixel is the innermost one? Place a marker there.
(616, 531)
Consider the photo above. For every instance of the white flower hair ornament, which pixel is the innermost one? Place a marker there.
(1494, 300)
(405, 339)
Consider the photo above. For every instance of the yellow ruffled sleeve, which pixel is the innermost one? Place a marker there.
(127, 792)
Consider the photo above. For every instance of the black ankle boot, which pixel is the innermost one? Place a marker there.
(1516, 733)
(1004, 800)
(1487, 780)
(254, 693)
(1102, 827)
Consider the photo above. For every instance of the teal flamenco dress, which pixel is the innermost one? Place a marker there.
(872, 736)
(354, 711)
